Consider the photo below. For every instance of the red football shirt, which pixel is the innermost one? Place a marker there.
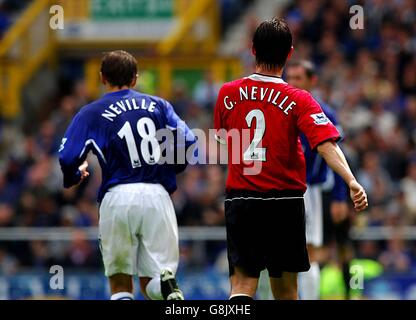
(261, 117)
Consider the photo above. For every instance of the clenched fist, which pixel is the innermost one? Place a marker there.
(358, 196)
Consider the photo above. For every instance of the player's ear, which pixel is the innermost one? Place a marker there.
(134, 81)
(290, 53)
(253, 51)
(103, 81)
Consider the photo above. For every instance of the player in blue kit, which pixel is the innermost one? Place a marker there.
(138, 231)
(302, 74)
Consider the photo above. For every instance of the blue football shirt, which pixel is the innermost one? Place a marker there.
(122, 129)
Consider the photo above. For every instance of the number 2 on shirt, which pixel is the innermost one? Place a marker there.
(253, 152)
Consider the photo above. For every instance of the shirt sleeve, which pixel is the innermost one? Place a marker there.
(313, 122)
(184, 138)
(73, 150)
(220, 134)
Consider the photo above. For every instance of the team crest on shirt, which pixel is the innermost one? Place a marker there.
(320, 118)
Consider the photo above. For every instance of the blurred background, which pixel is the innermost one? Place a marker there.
(186, 49)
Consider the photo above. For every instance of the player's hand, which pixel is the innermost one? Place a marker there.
(339, 211)
(358, 196)
(84, 173)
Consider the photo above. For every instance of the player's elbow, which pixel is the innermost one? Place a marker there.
(65, 162)
(68, 163)
(326, 148)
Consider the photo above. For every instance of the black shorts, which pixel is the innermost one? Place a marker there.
(266, 231)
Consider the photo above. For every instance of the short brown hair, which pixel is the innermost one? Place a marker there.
(272, 42)
(119, 68)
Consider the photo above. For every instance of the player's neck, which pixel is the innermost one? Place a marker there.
(110, 89)
(268, 72)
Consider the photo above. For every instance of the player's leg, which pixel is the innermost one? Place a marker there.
(287, 253)
(121, 286)
(286, 287)
(309, 281)
(118, 247)
(163, 287)
(244, 222)
(243, 286)
(158, 255)
(339, 225)
(344, 251)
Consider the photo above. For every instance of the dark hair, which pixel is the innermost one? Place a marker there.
(119, 68)
(307, 65)
(272, 42)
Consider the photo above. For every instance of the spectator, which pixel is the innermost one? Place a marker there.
(396, 257)
(206, 92)
(8, 263)
(81, 253)
(408, 185)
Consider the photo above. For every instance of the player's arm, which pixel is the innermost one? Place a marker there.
(322, 136)
(338, 206)
(184, 137)
(73, 152)
(336, 160)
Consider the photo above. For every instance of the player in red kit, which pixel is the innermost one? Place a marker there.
(260, 118)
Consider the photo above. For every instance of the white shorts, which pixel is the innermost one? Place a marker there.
(138, 230)
(314, 215)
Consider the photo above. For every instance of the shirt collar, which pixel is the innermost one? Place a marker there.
(264, 78)
(119, 92)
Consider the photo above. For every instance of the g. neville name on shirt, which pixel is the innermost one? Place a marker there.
(269, 95)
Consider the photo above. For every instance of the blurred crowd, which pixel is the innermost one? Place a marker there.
(368, 76)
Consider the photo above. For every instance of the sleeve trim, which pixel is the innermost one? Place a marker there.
(97, 148)
(333, 139)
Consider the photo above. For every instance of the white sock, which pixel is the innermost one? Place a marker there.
(309, 283)
(122, 296)
(153, 289)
